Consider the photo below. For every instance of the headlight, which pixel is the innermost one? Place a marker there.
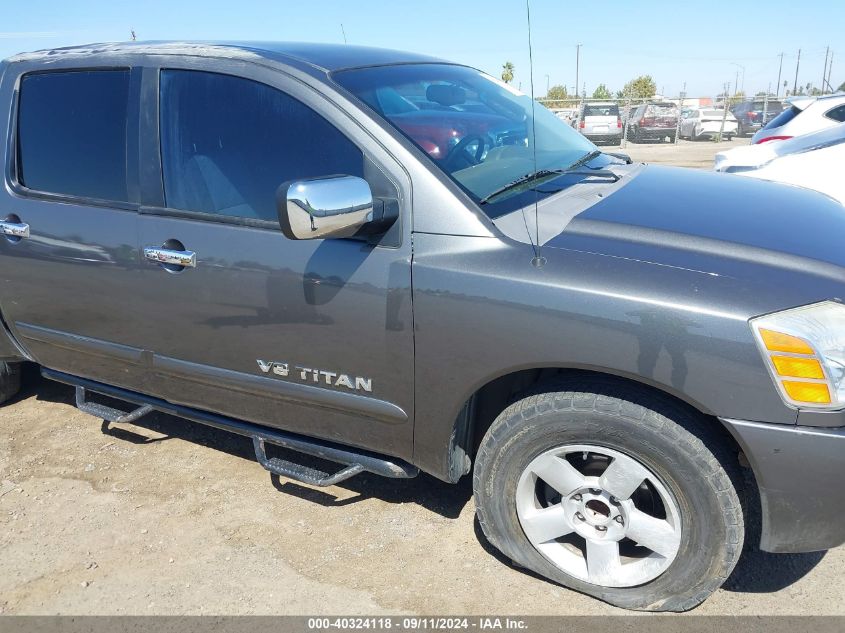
(804, 349)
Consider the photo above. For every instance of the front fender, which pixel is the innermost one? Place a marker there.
(482, 310)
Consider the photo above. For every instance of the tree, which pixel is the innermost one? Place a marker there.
(556, 97)
(601, 92)
(643, 87)
(738, 96)
(507, 72)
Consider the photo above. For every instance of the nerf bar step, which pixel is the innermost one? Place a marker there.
(355, 461)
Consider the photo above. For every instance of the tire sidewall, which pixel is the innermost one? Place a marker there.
(703, 530)
(10, 380)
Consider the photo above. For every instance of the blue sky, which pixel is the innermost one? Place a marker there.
(675, 42)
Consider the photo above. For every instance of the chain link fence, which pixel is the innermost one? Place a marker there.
(620, 121)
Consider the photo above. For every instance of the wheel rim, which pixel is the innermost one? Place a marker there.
(598, 515)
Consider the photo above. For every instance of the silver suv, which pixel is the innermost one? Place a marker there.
(600, 122)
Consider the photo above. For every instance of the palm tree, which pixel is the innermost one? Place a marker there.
(507, 72)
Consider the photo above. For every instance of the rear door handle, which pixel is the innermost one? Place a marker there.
(14, 229)
(169, 256)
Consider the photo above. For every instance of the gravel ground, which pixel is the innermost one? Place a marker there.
(168, 517)
(699, 154)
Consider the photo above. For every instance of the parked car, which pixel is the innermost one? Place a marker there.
(600, 122)
(804, 115)
(319, 250)
(565, 114)
(755, 114)
(708, 123)
(653, 121)
(812, 160)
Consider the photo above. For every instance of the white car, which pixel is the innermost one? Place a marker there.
(804, 115)
(706, 123)
(813, 161)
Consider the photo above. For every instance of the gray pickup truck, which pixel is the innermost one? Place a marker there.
(398, 264)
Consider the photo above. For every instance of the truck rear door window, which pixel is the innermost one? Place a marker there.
(227, 143)
(72, 133)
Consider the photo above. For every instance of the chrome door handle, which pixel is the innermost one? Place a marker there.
(14, 229)
(169, 256)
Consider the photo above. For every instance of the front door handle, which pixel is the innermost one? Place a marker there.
(14, 229)
(159, 255)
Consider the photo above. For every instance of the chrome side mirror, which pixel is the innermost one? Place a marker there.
(331, 207)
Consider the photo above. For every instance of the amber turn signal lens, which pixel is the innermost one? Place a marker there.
(816, 392)
(779, 342)
(798, 367)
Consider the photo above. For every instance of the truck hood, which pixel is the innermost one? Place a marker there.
(663, 213)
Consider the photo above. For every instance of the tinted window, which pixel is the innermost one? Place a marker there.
(601, 110)
(783, 118)
(228, 143)
(837, 114)
(72, 133)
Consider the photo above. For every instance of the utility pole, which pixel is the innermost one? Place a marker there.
(766, 103)
(829, 72)
(824, 72)
(132, 34)
(797, 64)
(343, 30)
(547, 85)
(724, 111)
(780, 68)
(736, 83)
(577, 65)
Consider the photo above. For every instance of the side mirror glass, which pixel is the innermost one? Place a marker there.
(331, 207)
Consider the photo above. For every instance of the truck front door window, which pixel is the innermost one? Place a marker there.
(227, 143)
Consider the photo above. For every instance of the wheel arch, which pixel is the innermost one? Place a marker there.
(485, 401)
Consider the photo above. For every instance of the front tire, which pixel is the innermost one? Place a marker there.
(10, 380)
(611, 491)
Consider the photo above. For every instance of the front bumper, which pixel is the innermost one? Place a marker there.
(800, 472)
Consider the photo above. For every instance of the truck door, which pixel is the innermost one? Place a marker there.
(68, 218)
(310, 336)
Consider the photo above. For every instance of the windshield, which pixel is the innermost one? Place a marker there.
(476, 129)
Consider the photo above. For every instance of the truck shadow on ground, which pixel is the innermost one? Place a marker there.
(424, 490)
(756, 571)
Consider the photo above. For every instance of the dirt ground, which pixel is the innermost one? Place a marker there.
(168, 517)
(698, 154)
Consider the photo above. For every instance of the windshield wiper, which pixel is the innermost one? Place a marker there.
(542, 173)
(574, 169)
(586, 158)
